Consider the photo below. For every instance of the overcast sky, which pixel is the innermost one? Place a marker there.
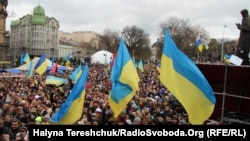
(98, 15)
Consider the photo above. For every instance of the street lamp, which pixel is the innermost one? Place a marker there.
(222, 44)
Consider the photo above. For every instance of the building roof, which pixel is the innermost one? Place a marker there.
(39, 10)
(38, 16)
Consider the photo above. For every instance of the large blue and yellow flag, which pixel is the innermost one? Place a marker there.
(41, 65)
(71, 109)
(26, 58)
(74, 76)
(124, 79)
(186, 82)
(55, 80)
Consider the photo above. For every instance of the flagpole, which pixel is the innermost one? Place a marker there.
(225, 77)
(224, 93)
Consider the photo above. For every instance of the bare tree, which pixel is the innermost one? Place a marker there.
(137, 41)
(183, 34)
(109, 40)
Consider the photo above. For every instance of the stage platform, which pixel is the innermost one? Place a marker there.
(231, 85)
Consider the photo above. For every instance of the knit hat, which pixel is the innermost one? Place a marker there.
(23, 127)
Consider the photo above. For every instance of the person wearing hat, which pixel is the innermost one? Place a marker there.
(175, 120)
(23, 134)
(137, 121)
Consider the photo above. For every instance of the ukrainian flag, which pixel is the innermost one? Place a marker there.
(71, 109)
(199, 45)
(41, 65)
(227, 58)
(140, 65)
(26, 58)
(29, 72)
(55, 80)
(186, 82)
(124, 79)
(76, 74)
(67, 59)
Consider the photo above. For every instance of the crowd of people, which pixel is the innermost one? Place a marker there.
(30, 101)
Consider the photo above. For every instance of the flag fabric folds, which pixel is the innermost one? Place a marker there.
(41, 65)
(199, 45)
(186, 82)
(26, 58)
(124, 79)
(55, 80)
(74, 76)
(29, 72)
(71, 109)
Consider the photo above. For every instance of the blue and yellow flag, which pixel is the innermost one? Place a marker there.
(186, 82)
(124, 79)
(71, 109)
(67, 59)
(76, 74)
(41, 65)
(140, 65)
(227, 58)
(199, 45)
(26, 58)
(55, 80)
(29, 72)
